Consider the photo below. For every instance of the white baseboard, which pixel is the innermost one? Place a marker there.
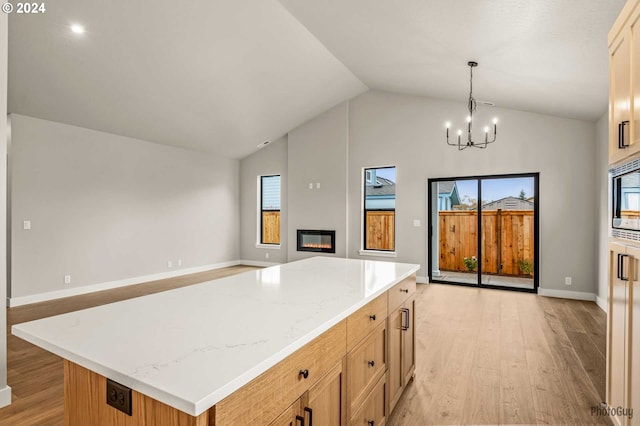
(257, 263)
(565, 294)
(67, 292)
(422, 280)
(602, 303)
(5, 396)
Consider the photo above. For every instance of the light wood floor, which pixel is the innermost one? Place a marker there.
(500, 357)
(483, 357)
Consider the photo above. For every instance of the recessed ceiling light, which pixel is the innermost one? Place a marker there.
(77, 29)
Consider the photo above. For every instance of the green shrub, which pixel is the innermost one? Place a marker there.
(526, 266)
(471, 263)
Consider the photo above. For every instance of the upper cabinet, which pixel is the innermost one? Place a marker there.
(624, 85)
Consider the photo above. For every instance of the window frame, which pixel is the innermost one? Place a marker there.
(260, 222)
(364, 251)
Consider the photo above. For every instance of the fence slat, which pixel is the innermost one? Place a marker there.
(380, 230)
(271, 227)
(507, 238)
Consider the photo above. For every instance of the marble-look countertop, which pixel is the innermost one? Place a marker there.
(193, 346)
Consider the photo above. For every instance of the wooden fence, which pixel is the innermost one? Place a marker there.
(507, 237)
(271, 227)
(380, 230)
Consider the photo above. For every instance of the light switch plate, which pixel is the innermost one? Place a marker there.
(26, 224)
(416, 223)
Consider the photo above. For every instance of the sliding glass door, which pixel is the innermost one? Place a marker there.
(483, 231)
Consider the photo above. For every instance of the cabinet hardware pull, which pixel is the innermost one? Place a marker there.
(310, 411)
(300, 419)
(372, 317)
(405, 319)
(304, 373)
(622, 277)
(619, 268)
(404, 290)
(370, 423)
(621, 126)
(371, 363)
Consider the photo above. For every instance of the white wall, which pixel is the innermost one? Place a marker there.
(602, 202)
(408, 132)
(380, 128)
(318, 154)
(5, 391)
(270, 160)
(105, 208)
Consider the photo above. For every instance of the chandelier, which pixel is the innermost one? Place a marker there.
(468, 142)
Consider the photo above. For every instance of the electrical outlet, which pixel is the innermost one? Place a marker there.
(67, 280)
(169, 264)
(119, 396)
(179, 262)
(567, 280)
(26, 225)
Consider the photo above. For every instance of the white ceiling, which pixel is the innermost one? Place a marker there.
(221, 76)
(224, 75)
(547, 56)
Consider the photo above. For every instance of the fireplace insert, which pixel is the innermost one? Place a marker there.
(316, 241)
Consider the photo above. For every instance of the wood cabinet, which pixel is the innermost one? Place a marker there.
(624, 86)
(322, 404)
(401, 364)
(623, 332)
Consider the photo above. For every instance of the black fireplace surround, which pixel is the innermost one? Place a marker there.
(316, 241)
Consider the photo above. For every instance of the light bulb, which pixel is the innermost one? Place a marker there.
(77, 29)
(486, 129)
(495, 121)
(468, 119)
(447, 124)
(459, 132)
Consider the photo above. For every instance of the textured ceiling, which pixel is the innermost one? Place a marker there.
(547, 56)
(224, 75)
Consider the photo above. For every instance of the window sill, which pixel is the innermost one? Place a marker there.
(377, 253)
(268, 246)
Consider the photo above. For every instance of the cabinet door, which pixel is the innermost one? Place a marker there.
(633, 353)
(617, 326)
(373, 411)
(620, 93)
(365, 365)
(394, 366)
(408, 341)
(323, 405)
(290, 417)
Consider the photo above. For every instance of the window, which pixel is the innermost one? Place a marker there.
(379, 209)
(270, 209)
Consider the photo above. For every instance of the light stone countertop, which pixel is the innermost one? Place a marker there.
(191, 347)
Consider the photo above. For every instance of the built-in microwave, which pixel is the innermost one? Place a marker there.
(625, 200)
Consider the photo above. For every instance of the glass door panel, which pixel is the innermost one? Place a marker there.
(454, 227)
(507, 240)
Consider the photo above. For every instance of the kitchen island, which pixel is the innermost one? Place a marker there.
(261, 347)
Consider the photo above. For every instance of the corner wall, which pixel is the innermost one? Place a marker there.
(270, 160)
(5, 391)
(105, 208)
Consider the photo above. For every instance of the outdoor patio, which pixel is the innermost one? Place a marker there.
(498, 280)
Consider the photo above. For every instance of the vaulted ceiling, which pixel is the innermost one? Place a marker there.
(223, 76)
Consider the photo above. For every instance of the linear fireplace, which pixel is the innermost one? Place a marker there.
(317, 241)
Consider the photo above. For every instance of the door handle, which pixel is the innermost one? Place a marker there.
(310, 411)
(621, 126)
(300, 419)
(619, 267)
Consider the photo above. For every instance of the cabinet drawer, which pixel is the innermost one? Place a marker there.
(401, 292)
(365, 365)
(260, 401)
(365, 320)
(373, 411)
